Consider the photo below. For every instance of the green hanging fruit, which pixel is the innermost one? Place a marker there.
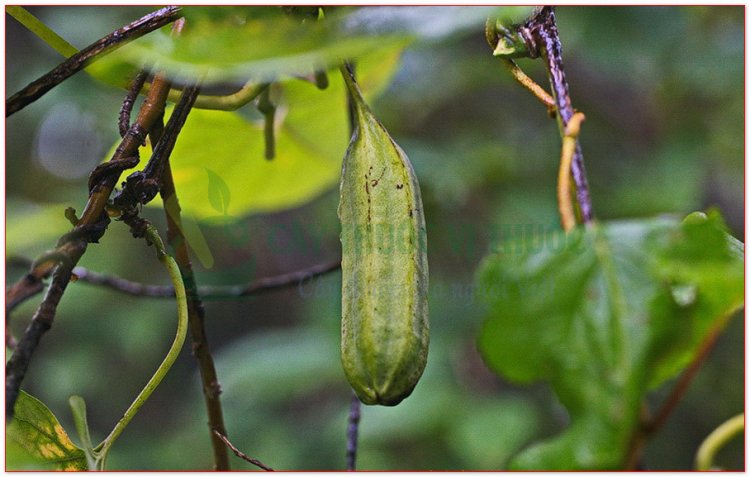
(384, 324)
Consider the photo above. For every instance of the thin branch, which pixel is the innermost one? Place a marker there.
(543, 31)
(71, 246)
(129, 101)
(129, 287)
(83, 58)
(650, 425)
(352, 433)
(142, 186)
(229, 102)
(100, 184)
(196, 316)
(41, 322)
(241, 454)
(683, 383)
(532, 86)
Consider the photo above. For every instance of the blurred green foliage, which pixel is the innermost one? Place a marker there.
(662, 89)
(604, 314)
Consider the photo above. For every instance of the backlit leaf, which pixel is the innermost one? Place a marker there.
(262, 44)
(312, 132)
(236, 43)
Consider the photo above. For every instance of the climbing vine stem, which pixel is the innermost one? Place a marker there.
(41, 30)
(182, 322)
(704, 458)
(564, 200)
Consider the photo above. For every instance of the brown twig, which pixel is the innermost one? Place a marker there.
(129, 287)
(16, 367)
(127, 105)
(151, 110)
(71, 246)
(651, 425)
(92, 226)
(241, 454)
(142, 186)
(541, 39)
(544, 40)
(196, 315)
(28, 286)
(532, 86)
(83, 58)
(682, 384)
(196, 311)
(352, 433)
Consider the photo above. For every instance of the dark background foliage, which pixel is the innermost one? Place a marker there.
(662, 89)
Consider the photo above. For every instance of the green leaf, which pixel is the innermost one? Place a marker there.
(78, 407)
(237, 43)
(263, 43)
(312, 132)
(603, 315)
(37, 430)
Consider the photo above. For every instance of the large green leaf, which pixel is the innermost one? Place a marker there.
(257, 42)
(311, 138)
(224, 43)
(35, 429)
(237, 43)
(228, 43)
(603, 315)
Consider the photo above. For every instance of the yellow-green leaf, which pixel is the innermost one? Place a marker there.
(35, 429)
(311, 138)
(262, 43)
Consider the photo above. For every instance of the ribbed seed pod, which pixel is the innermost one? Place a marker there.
(384, 324)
